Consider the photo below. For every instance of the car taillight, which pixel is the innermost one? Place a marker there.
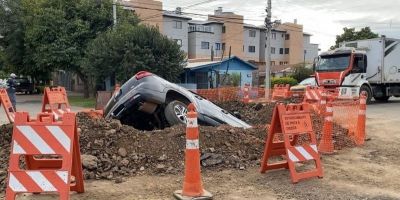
(142, 74)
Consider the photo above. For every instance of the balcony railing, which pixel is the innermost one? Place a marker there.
(200, 28)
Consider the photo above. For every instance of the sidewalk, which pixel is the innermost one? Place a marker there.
(31, 104)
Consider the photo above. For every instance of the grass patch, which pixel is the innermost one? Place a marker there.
(82, 102)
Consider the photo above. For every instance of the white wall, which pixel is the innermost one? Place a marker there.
(251, 41)
(173, 33)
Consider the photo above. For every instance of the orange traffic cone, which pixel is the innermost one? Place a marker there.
(246, 98)
(192, 184)
(326, 143)
(360, 135)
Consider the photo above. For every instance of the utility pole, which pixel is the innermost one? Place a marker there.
(268, 25)
(115, 12)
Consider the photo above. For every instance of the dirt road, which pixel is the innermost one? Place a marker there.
(368, 172)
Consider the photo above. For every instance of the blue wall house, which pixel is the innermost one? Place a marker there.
(212, 74)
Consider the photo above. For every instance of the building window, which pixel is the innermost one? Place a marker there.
(286, 50)
(287, 37)
(223, 29)
(272, 50)
(252, 49)
(177, 24)
(178, 41)
(217, 46)
(205, 45)
(281, 63)
(281, 51)
(272, 63)
(223, 46)
(252, 33)
(273, 36)
(285, 63)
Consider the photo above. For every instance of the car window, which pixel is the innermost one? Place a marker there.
(308, 81)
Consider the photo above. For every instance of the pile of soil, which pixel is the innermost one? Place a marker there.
(254, 114)
(112, 151)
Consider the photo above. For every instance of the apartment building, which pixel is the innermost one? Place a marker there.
(205, 39)
(290, 45)
(175, 26)
(224, 31)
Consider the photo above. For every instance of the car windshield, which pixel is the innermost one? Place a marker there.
(333, 62)
(308, 81)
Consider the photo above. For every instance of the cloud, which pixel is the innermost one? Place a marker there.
(324, 19)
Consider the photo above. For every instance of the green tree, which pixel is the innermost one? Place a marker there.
(301, 72)
(42, 36)
(129, 49)
(350, 34)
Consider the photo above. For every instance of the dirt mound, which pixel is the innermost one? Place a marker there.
(121, 150)
(253, 114)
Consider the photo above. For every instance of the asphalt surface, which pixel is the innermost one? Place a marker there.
(31, 104)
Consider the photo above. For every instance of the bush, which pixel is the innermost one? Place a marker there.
(284, 80)
(300, 72)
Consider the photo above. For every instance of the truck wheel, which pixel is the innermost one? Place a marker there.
(368, 92)
(175, 113)
(382, 99)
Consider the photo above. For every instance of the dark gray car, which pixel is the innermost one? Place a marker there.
(147, 101)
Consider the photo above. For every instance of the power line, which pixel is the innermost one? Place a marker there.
(197, 4)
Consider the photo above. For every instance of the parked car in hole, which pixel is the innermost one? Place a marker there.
(147, 101)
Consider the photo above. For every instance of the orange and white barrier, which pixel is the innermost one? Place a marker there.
(7, 105)
(192, 184)
(361, 122)
(45, 136)
(55, 101)
(292, 121)
(326, 143)
(281, 92)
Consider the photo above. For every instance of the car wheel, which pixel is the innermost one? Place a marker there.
(366, 89)
(175, 113)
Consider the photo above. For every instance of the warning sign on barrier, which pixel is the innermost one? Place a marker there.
(291, 122)
(296, 123)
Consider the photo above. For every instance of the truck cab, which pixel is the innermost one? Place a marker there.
(343, 68)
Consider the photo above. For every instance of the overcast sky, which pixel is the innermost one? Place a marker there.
(324, 19)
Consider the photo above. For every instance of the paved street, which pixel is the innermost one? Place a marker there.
(28, 103)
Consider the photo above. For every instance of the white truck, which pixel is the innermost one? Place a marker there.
(371, 65)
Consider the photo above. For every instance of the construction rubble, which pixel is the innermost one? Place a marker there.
(114, 151)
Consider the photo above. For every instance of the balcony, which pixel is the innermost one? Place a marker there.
(200, 28)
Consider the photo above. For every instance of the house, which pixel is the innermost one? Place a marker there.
(213, 74)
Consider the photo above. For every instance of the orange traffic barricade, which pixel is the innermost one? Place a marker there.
(281, 92)
(192, 184)
(288, 124)
(51, 149)
(55, 101)
(7, 105)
